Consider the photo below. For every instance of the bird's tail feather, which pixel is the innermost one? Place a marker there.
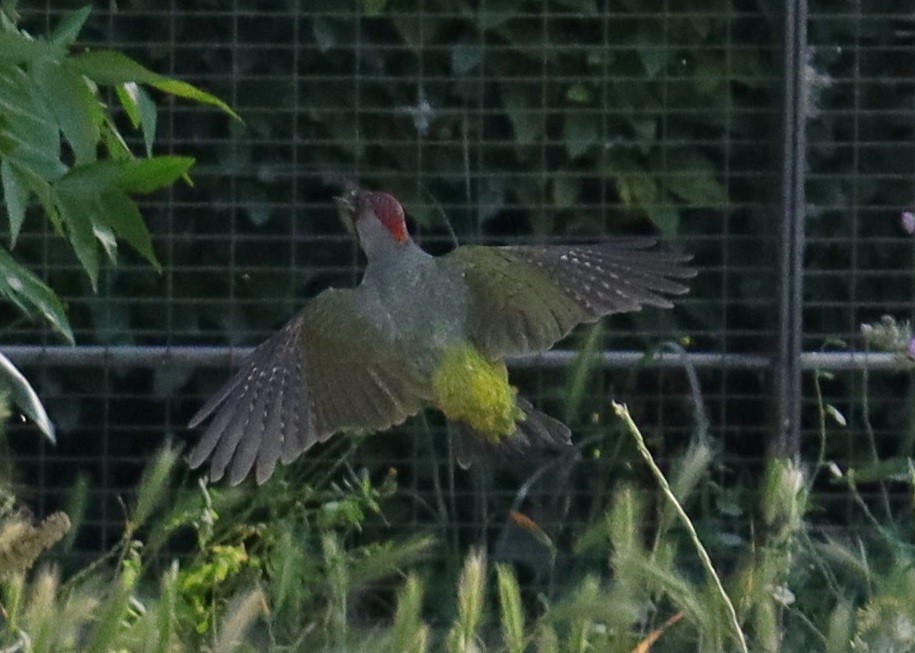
(537, 431)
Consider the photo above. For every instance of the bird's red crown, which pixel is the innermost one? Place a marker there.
(389, 211)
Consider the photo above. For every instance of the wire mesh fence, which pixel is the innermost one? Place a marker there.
(498, 122)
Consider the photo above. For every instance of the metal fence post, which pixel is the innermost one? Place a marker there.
(787, 367)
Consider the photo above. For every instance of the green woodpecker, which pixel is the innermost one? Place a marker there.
(419, 331)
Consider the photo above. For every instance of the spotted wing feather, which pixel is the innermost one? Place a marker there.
(525, 299)
(327, 370)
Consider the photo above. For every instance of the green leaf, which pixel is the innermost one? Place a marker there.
(129, 175)
(579, 93)
(94, 205)
(692, 178)
(636, 186)
(42, 190)
(496, 13)
(8, 14)
(254, 200)
(566, 189)
(343, 130)
(324, 32)
(70, 26)
(121, 214)
(527, 38)
(73, 104)
(415, 29)
(190, 92)
(711, 75)
(141, 110)
(665, 217)
(127, 96)
(621, 161)
(745, 68)
(75, 212)
(43, 162)
(148, 119)
(114, 143)
(147, 175)
(654, 59)
(32, 295)
(883, 471)
(372, 8)
(105, 235)
(16, 196)
(19, 49)
(645, 131)
(836, 415)
(523, 112)
(7, 142)
(88, 181)
(581, 132)
(109, 67)
(29, 132)
(465, 57)
(637, 189)
(24, 396)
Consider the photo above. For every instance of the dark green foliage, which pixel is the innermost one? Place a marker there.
(59, 145)
(608, 116)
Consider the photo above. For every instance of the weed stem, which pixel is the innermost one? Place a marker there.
(623, 413)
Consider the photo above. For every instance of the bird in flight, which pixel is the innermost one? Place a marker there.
(423, 331)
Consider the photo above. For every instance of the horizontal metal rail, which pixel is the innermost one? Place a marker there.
(222, 356)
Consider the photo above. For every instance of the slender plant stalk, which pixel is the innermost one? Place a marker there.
(821, 423)
(623, 413)
(872, 439)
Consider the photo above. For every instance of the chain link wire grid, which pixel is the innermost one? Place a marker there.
(497, 123)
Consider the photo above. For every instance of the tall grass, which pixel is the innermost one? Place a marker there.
(283, 568)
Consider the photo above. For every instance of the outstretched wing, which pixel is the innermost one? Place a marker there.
(328, 369)
(525, 299)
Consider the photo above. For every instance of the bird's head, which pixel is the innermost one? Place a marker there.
(376, 218)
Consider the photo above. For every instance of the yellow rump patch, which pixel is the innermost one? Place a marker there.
(469, 388)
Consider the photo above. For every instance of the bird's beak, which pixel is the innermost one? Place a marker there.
(347, 209)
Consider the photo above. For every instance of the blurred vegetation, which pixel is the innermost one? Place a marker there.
(245, 569)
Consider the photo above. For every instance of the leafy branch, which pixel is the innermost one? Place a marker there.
(61, 148)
